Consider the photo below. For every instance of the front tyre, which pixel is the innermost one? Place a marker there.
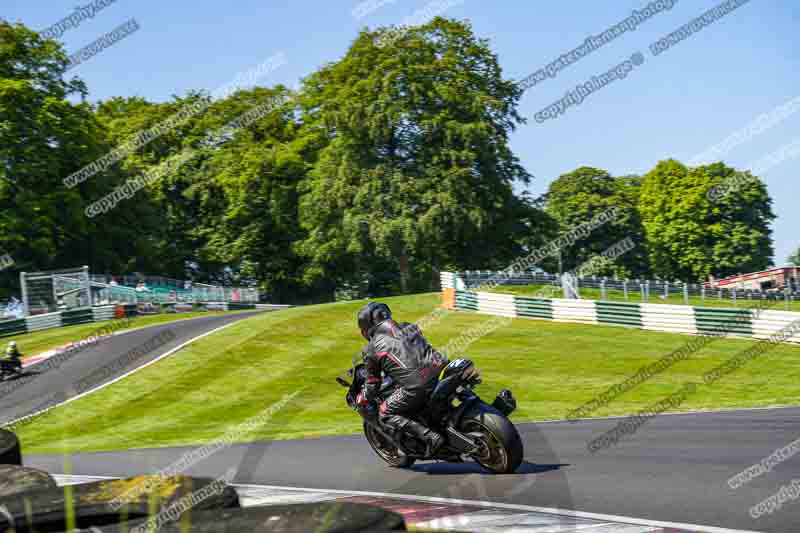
(501, 446)
(385, 449)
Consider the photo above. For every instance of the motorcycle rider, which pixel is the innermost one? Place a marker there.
(401, 352)
(12, 355)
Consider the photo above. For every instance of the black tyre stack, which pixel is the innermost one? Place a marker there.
(15, 479)
(10, 453)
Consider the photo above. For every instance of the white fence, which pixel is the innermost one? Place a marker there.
(758, 321)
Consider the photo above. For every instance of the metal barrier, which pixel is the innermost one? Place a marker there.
(75, 288)
(105, 312)
(50, 320)
(13, 327)
(624, 290)
(756, 322)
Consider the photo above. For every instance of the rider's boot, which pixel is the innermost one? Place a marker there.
(432, 439)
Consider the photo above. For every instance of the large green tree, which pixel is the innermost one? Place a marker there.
(581, 195)
(692, 234)
(416, 168)
(171, 240)
(247, 195)
(44, 137)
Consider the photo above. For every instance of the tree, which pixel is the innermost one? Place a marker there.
(246, 193)
(690, 236)
(46, 137)
(581, 195)
(170, 248)
(416, 168)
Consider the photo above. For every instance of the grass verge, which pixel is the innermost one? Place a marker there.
(201, 393)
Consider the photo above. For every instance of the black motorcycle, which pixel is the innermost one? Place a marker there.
(471, 428)
(10, 368)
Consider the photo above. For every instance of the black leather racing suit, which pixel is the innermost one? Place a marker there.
(402, 353)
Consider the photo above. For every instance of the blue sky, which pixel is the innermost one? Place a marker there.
(676, 104)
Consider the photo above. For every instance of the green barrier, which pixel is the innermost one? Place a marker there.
(723, 321)
(624, 314)
(77, 316)
(466, 300)
(533, 307)
(233, 306)
(12, 327)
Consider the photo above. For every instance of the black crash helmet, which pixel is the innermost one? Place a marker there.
(371, 316)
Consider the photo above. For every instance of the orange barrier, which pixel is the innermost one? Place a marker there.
(449, 298)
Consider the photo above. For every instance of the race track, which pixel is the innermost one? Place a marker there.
(46, 382)
(674, 469)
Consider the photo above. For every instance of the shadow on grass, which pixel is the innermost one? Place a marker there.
(449, 469)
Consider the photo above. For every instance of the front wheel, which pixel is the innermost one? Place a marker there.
(501, 446)
(385, 449)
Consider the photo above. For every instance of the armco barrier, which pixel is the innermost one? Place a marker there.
(620, 314)
(582, 311)
(12, 327)
(104, 312)
(50, 320)
(235, 306)
(273, 306)
(749, 323)
(77, 316)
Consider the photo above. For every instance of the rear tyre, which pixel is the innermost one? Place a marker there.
(386, 450)
(501, 446)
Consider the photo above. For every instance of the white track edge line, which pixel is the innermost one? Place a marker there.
(118, 378)
(488, 504)
(510, 506)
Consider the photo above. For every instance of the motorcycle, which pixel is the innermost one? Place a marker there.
(472, 429)
(10, 368)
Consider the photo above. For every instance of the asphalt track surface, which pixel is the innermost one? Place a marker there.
(26, 395)
(675, 468)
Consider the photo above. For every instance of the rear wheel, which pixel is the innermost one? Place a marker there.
(385, 449)
(501, 446)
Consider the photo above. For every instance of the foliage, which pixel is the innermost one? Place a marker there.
(416, 169)
(581, 195)
(44, 137)
(387, 166)
(690, 236)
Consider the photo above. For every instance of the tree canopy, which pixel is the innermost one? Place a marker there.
(416, 167)
(383, 168)
(691, 236)
(581, 195)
